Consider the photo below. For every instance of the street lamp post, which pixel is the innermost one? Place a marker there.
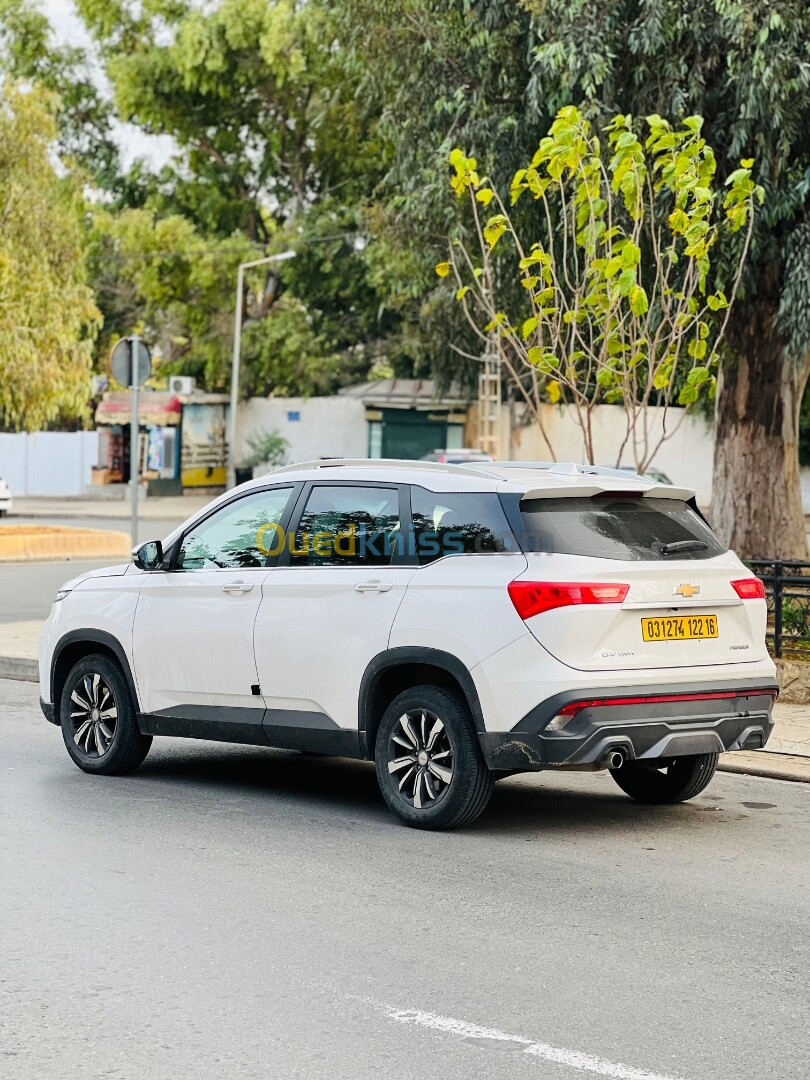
(237, 349)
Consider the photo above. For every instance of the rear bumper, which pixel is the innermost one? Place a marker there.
(574, 728)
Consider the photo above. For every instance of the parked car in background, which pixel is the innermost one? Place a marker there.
(460, 456)
(452, 623)
(651, 474)
(6, 501)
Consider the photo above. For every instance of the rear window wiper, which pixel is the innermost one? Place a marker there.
(683, 545)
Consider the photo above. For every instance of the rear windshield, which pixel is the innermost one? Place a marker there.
(627, 528)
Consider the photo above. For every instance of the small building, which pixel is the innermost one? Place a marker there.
(406, 419)
(182, 440)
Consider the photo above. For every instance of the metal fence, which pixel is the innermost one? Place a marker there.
(787, 589)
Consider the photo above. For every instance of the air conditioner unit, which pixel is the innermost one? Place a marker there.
(182, 384)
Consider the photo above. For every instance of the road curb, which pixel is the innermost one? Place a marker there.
(771, 767)
(57, 542)
(19, 668)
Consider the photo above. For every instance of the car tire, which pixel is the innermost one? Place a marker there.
(672, 780)
(98, 721)
(445, 783)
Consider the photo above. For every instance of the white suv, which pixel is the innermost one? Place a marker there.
(454, 623)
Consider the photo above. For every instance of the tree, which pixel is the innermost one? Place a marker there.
(48, 319)
(273, 149)
(744, 66)
(84, 117)
(616, 302)
(433, 74)
(271, 146)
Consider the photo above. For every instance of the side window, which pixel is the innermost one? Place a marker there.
(347, 526)
(458, 524)
(240, 535)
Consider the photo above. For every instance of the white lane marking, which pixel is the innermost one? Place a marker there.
(573, 1059)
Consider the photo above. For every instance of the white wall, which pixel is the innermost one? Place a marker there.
(48, 462)
(336, 427)
(804, 477)
(328, 426)
(686, 457)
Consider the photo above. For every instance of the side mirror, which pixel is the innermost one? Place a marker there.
(148, 556)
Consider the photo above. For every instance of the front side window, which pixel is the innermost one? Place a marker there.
(458, 524)
(243, 534)
(347, 526)
(619, 527)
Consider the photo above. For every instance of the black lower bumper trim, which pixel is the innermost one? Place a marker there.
(646, 730)
(48, 711)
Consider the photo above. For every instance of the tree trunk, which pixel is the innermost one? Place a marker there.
(756, 496)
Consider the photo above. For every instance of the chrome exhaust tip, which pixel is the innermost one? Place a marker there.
(614, 759)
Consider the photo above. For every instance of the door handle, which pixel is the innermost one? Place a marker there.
(373, 586)
(236, 587)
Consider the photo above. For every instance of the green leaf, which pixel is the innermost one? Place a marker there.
(717, 301)
(494, 230)
(639, 303)
(627, 279)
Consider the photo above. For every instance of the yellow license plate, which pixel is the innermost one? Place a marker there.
(679, 628)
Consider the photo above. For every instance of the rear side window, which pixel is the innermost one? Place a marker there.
(458, 524)
(626, 528)
(347, 526)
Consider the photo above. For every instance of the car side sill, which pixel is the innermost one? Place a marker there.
(282, 729)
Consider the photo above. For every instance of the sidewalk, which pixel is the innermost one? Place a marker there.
(786, 757)
(176, 507)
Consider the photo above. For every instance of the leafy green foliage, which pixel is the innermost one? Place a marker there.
(274, 149)
(266, 448)
(84, 132)
(47, 316)
(615, 302)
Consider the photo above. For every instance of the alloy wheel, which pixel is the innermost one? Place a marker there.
(93, 715)
(420, 757)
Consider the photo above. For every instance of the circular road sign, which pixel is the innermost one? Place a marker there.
(121, 363)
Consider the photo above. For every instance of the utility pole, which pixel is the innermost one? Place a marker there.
(134, 431)
(237, 350)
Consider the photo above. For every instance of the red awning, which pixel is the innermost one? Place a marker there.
(155, 408)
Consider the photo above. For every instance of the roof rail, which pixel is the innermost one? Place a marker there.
(570, 468)
(377, 463)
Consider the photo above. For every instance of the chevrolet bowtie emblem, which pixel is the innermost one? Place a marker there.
(686, 590)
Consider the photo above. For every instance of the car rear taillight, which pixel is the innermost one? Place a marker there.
(750, 588)
(534, 597)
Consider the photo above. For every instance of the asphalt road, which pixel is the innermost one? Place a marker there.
(27, 589)
(237, 912)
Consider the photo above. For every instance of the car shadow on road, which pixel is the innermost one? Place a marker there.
(525, 804)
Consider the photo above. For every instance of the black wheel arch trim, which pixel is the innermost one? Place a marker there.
(402, 656)
(91, 637)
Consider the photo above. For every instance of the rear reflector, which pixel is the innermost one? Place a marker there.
(651, 699)
(534, 597)
(750, 588)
